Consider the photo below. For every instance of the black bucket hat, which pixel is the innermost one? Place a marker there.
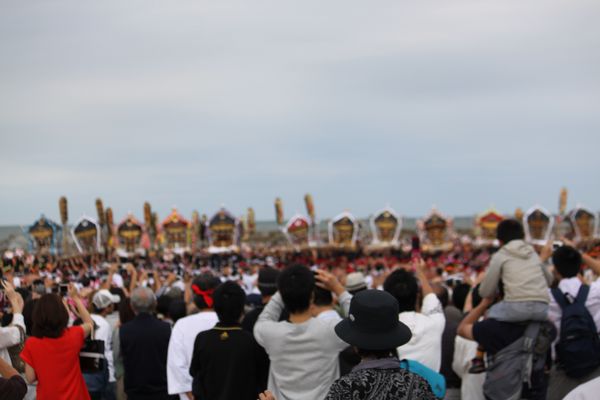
(372, 322)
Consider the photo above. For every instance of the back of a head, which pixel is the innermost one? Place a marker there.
(508, 230)
(322, 297)
(442, 294)
(229, 300)
(203, 287)
(143, 300)
(403, 286)
(177, 310)
(567, 261)
(296, 284)
(50, 317)
(267, 281)
(459, 295)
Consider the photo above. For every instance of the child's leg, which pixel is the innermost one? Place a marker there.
(519, 311)
(477, 363)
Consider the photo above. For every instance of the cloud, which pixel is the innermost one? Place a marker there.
(462, 104)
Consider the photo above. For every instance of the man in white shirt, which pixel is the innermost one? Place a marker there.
(427, 326)
(304, 351)
(567, 265)
(103, 302)
(183, 335)
(322, 305)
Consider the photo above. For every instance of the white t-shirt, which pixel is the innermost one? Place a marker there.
(425, 345)
(104, 332)
(181, 347)
(571, 286)
(330, 314)
(586, 391)
(471, 384)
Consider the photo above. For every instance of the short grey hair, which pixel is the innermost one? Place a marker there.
(143, 300)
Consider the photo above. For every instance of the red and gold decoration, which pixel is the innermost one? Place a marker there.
(175, 230)
(486, 224)
(297, 230)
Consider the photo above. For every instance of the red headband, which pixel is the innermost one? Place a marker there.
(206, 295)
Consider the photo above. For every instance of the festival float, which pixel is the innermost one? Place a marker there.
(44, 236)
(86, 234)
(129, 236)
(223, 233)
(435, 232)
(175, 229)
(538, 224)
(343, 231)
(486, 224)
(386, 226)
(298, 231)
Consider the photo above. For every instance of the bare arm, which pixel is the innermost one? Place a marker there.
(30, 373)
(465, 328)
(88, 322)
(420, 272)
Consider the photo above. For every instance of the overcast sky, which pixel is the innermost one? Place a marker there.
(462, 104)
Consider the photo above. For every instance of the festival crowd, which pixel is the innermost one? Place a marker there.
(510, 322)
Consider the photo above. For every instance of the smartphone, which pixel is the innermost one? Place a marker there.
(415, 252)
(63, 289)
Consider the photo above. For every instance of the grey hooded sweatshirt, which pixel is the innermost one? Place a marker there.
(523, 274)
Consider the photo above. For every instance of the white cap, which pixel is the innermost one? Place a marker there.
(103, 298)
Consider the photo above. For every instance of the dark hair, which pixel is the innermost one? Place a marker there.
(509, 229)
(377, 354)
(126, 313)
(403, 286)
(204, 282)
(162, 304)
(28, 315)
(267, 281)
(322, 297)
(441, 293)
(177, 309)
(229, 300)
(295, 285)
(567, 261)
(459, 295)
(50, 317)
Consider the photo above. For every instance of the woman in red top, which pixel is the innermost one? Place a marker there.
(51, 354)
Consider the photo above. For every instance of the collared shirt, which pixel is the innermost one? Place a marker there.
(329, 314)
(571, 286)
(427, 326)
(181, 347)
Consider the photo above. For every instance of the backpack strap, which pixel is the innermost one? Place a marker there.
(582, 295)
(559, 296)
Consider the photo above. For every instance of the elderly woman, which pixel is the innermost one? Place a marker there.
(51, 354)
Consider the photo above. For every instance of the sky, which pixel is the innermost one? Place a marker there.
(459, 104)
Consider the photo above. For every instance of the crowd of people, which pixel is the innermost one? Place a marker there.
(511, 322)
